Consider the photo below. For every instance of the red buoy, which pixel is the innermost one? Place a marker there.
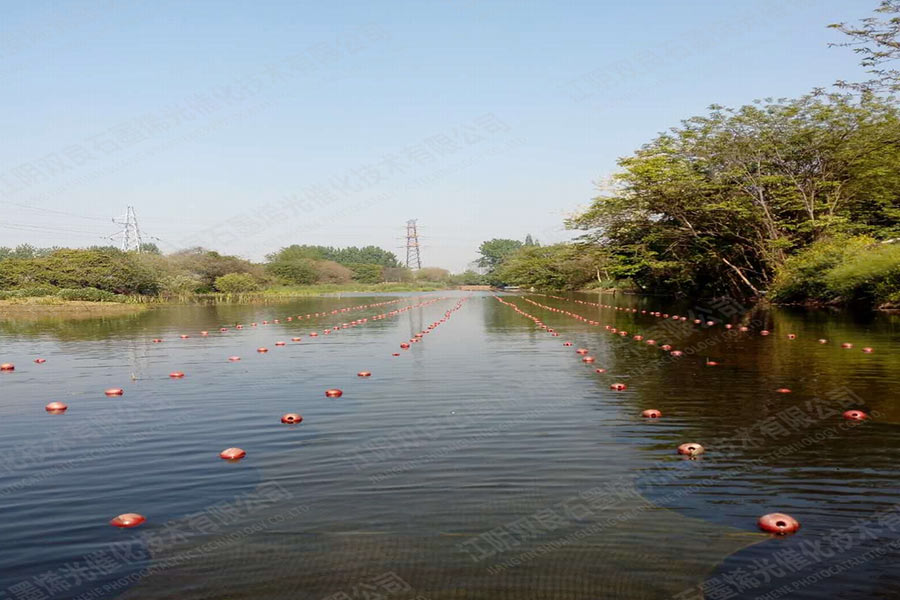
(618, 387)
(651, 342)
(567, 343)
(846, 345)
(296, 339)
(291, 418)
(56, 407)
(581, 351)
(184, 336)
(783, 391)
(395, 354)
(114, 392)
(651, 413)
(855, 415)
(333, 393)
(868, 350)
(176, 374)
(204, 333)
(262, 350)
(280, 343)
(128, 520)
(364, 374)
(691, 449)
(404, 345)
(792, 336)
(666, 347)
(823, 341)
(234, 358)
(676, 353)
(599, 370)
(744, 328)
(778, 523)
(157, 341)
(232, 454)
(764, 332)
(40, 361)
(588, 359)
(313, 334)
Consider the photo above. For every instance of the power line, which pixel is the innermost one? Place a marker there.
(57, 212)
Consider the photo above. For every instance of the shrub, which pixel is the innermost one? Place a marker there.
(104, 269)
(432, 274)
(89, 294)
(235, 283)
(840, 268)
(29, 292)
(870, 274)
(332, 272)
(367, 273)
(301, 271)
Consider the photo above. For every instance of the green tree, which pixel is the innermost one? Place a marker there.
(717, 205)
(877, 40)
(366, 273)
(494, 252)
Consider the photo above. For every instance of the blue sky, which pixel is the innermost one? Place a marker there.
(246, 126)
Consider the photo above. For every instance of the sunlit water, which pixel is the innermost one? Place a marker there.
(486, 461)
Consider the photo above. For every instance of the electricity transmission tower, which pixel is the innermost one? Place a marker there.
(130, 233)
(413, 259)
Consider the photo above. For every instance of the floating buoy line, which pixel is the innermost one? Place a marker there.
(662, 315)
(776, 523)
(235, 454)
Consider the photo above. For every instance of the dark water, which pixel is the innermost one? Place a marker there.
(487, 461)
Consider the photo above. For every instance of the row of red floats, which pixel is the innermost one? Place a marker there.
(234, 454)
(8, 367)
(708, 323)
(417, 337)
(777, 523)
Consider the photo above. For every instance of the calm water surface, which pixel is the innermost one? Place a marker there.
(487, 461)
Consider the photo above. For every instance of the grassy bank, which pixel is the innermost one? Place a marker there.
(282, 293)
(51, 305)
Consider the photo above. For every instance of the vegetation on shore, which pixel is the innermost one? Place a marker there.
(794, 200)
(106, 274)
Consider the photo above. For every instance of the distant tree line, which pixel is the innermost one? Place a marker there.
(102, 272)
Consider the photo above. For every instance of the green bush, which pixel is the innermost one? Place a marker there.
(102, 268)
(29, 292)
(331, 272)
(841, 269)
(870, 274)
(366, 273)
(236, 283)
(89, 295)
(301, 271)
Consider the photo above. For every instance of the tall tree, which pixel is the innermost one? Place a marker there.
(494, 252)
(877, 40)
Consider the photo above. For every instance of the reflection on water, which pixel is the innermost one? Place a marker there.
(484, 462)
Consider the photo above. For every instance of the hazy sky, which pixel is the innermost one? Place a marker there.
(246, 126)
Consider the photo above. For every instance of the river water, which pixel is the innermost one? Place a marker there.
(486, 461)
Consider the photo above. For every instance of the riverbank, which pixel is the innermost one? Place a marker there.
(55, 305)
(52, 306)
